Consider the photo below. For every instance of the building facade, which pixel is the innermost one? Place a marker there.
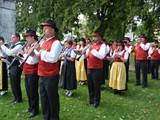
(7, 18)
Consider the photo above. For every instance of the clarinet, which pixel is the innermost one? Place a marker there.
(84, 51)
(30, 52)
(15, 56)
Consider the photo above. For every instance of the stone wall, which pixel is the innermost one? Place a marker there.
(7, 18)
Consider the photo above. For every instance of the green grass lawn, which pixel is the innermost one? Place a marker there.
(136, 104)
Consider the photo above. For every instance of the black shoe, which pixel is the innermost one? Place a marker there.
(89, 103)
(153, 78)
(144, 86)
(28, 110)
(96, 105)
(120, 93)
(16, 102)
(137, 84)
(32, 115)
(12, 101)
(115, 91)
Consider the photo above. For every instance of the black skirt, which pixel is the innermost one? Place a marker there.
(68, 76)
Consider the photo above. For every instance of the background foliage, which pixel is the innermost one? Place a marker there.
(113, 17)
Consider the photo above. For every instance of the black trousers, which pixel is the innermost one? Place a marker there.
(94, 77)
(50, 97)
(15, 78)
(31, 84)
(105, 71)
(4, 77)
(154, 68)
(127, 69)
(148, 65)
(141, 65)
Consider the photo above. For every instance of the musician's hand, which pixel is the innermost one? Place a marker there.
(119, 56)
(21, 52)
(37, 47)
(90, 48)
(63, 55)
(84, 52)
(1, 43)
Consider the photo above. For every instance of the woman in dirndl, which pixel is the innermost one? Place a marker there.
(68, 73)
(3, 71)
(81, 64)
(118, 71)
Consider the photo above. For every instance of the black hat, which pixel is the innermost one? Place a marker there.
(155, 41)
(127, 38)
(142, 36)
(30, 33)
(82, 39)
(1, 38)
(120, 42)
(50, 23)
(97, 33)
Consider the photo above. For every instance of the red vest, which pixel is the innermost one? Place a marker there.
(127, 45)
(140, 53)
(28, 68)
(155, 55)
(117, 59)
(74, 46)
(94, 62)
(45, 68)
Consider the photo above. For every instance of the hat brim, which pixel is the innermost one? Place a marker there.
(30, 34)
(47, 24)
(96, 35)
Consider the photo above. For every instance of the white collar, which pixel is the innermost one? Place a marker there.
(50, 38)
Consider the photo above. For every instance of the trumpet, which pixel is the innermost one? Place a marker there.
(134, 44)
(156, 47)
(84, 51)
(16, 56)
(31, 51)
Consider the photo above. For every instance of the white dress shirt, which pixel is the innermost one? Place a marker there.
(73, 54)
(126, 54)
(53, 55)
(150, 52)
(145, 47)
(32, 60)
(101, 53)
(128, 49)
(14, 50)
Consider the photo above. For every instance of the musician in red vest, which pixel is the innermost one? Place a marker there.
(95, 54)
(141, 60)
(154, 52)
(30, 68)
(48, 70)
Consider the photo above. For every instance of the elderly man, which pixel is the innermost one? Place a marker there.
(141, 60)
(95, 54)
(48, 71)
